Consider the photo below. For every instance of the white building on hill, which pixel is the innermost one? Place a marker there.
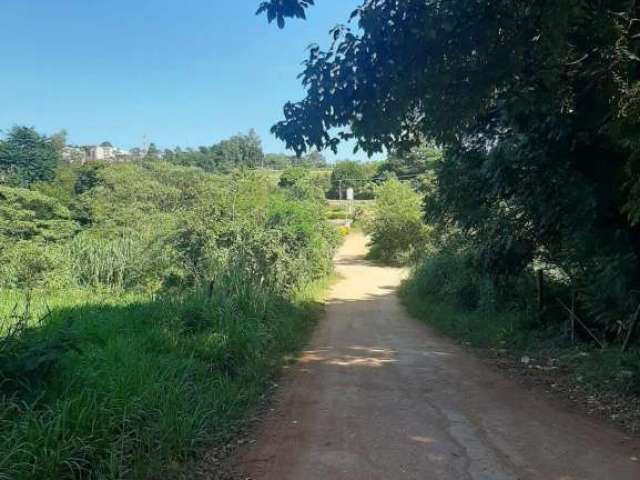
(105, 152)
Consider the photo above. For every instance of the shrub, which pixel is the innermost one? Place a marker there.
(397, 230)
(28, 354)
(302, 183)
(34, 265)
(124, 383)
(352, 174)
(31, 215)
(450, 290)
(131, 386)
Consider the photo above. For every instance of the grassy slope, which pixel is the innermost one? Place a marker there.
(144, 384)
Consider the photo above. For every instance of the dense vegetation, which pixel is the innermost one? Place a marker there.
(27, 157)
(533, 237)
(398, 233)
(144, 307)
(239, 151)
(146, 304)
(536, 108)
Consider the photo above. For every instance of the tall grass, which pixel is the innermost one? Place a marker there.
(141, 385)
(447, 291)
(140, 368)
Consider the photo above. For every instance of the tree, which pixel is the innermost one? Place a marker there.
(27, 157)
(534, 103)
(397, 230)
(253, 156)
(281, 9)
(278, 161)
(239, 151)
(153, 152)
(416, 161)
(313, 159)
(59, 140)
(355, 175)
(168, 155)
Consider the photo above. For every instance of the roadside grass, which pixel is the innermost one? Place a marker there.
(13, 302)
(131, 387)
(502, 330)
(595, 370)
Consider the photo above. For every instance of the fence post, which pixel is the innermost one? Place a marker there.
(540, 284)
(632, 327)
(572, 317)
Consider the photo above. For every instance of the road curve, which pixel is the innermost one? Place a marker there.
(378, 395)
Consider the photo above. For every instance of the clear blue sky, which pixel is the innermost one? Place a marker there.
(181, 72)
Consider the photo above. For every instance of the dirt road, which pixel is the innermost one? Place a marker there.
(379, 396)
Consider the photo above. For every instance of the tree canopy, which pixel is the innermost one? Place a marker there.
(535, 104)
(281, 9)
(27, 157)
(242, 150)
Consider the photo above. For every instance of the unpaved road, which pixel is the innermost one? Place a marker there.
(379, 396)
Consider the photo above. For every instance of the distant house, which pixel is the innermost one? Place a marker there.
(74, 154)
(105, 152)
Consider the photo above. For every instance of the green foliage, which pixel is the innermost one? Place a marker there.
(35, 264)
(28, 357)
(27, 157)
(313, 159)
(417, 161)
(608, 370)
(61, 187)
(293, 176)
(125, 262)
(127, 388)
(449, 290)
(281, 9)
(278, 161)
(147, 225)
(303, 183)
(537, 115)
(397, 230)
(352, 174)
(174, 295)
(239, 151)
(30, 215)
(33, 228)
(88, 176)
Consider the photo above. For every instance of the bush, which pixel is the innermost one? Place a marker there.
(29, 354)
(193, 289)
(397, 230)
(352, 174)
(30, 265)
(124, 388)
(449, 289)
(31, 215)
(302, 183)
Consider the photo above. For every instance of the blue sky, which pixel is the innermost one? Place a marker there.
(187, 73)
